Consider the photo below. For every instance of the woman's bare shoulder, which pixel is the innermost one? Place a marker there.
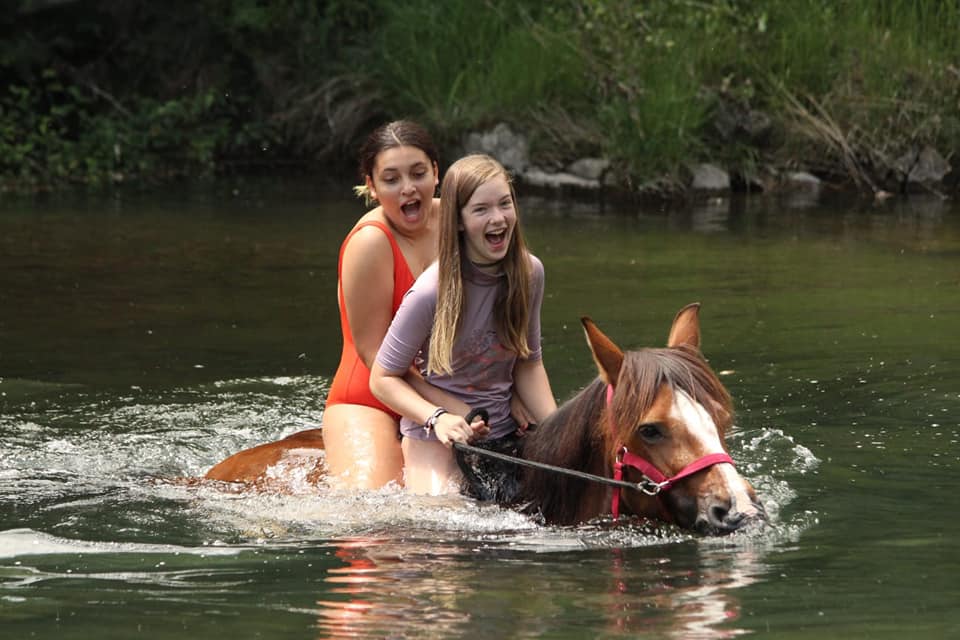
(367, 236)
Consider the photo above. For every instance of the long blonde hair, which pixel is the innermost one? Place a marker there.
(512, 307)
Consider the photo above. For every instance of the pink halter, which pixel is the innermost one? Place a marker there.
(653, 480)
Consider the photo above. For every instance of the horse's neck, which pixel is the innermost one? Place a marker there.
(572, 436)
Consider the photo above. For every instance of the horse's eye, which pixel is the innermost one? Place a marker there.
(650, 432)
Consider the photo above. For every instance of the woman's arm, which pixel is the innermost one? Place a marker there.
(366, 281)
(531, 384)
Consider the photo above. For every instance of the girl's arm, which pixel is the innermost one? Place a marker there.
(530, 381)
(436, 396)
(394, 380)
(531, 384)
(392, 389)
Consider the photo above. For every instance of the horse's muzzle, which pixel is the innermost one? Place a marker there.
(722, 517)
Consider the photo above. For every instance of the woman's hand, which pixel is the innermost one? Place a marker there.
(452, 428)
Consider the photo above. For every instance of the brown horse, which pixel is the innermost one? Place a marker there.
(659, 415)
(253, 466)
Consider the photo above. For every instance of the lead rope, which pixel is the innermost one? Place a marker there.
(583, 475)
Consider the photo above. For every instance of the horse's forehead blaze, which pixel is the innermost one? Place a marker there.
(692, 431)
(700, 431)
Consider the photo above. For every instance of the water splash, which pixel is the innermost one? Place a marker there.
(92, 461)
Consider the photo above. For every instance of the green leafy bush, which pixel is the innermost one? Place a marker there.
(97, 91)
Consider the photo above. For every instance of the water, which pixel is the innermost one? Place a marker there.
(145, 336)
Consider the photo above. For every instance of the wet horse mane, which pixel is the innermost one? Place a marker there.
(580, 434)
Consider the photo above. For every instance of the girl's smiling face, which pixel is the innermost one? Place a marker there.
(404, 181)
(487, 221)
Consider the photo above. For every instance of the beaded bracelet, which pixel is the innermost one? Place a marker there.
(432, 420)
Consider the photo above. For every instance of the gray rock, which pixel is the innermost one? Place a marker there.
(801, 190)
(540, 178)
(922, 167)
(709, 177)
(511, 149)
(802, 180)
(589, 168)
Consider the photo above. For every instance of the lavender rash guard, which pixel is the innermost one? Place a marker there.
(482, 367)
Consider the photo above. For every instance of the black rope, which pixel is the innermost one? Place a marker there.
(466, 448)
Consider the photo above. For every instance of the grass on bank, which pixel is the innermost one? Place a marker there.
(847, 87)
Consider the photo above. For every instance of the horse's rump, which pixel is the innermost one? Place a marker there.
(251, 465)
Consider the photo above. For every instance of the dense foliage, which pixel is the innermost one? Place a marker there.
(101, 91)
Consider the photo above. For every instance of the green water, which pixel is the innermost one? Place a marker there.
(145, 336)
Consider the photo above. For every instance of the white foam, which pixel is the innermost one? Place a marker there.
(27, 542)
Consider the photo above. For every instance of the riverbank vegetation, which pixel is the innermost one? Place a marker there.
(100, 91)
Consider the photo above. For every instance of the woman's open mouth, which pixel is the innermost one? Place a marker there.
(411, 209)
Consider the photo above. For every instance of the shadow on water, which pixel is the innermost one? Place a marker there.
(146, 337)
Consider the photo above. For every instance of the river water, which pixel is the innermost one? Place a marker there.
(145, 335)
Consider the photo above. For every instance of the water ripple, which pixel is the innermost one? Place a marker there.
(91, 463)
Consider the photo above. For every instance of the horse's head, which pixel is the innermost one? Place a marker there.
(667, 414)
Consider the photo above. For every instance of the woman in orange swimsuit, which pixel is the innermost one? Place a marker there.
(380, 258)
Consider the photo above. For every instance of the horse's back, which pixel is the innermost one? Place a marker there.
(250, 465)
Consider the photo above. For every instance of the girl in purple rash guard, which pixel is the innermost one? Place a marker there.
(471, 324)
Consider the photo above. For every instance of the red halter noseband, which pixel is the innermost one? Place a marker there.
(653, 480)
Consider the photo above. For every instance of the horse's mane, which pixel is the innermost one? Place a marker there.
(565, 439)
(580, 435)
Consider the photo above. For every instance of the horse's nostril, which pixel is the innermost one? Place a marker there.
(722, 518)
(718, 515)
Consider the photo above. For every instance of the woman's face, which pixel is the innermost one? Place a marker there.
(404, 180)
(487, 222)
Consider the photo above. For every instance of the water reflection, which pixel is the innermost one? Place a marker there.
(383, 593)
(915, 222)
(406, 589)
(711, 216)
(681, 600)
(140, 341)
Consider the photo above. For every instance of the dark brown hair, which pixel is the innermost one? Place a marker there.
(399, 133)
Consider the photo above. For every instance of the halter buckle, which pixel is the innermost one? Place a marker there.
(647, 485)
(650, 487)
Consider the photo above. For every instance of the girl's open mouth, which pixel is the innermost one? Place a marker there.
(496, 239)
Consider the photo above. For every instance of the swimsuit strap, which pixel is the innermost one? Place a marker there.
(402, 274)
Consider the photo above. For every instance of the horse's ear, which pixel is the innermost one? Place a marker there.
(686, 327)
(606, 354)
